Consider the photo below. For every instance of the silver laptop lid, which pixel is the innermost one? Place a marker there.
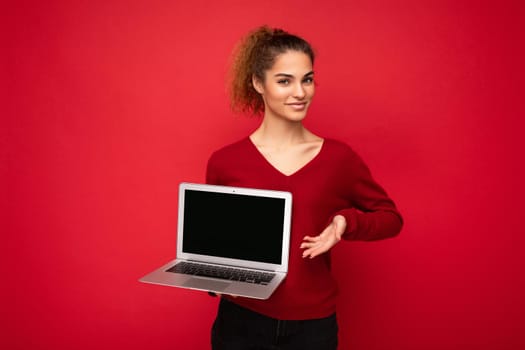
(234, 226)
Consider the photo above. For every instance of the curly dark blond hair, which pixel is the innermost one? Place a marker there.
(252, 57)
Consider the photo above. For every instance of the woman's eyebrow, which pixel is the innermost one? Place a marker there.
(286, 75)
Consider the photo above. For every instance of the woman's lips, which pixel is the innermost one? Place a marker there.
(298, 106)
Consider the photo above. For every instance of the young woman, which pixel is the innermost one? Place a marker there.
(334, 196)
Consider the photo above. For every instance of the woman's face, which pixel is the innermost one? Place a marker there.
(288, 88)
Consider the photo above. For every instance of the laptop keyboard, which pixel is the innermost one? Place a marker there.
(225, 273)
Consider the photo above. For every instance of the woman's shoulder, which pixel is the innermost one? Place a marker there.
(339, 147)
(343, 154)
(234, 149)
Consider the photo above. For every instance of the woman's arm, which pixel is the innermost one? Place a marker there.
(371, 214)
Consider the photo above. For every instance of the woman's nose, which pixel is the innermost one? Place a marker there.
(299, 91)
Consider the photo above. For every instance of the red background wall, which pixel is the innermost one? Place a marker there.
(110, 104)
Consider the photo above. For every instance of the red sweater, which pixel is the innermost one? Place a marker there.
(335, 182)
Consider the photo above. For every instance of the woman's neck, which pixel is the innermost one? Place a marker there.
(280, 133)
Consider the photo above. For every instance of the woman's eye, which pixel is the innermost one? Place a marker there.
(283, 81)
(308, 80)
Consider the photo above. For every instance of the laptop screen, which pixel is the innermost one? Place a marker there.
(235, 226)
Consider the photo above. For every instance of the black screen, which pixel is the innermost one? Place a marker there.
(233, 226)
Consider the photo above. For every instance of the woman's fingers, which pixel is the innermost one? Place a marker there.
(326, 240)
(313, 247)
(308, 253)
(313, 252)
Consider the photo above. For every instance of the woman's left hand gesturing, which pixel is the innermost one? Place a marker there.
(317, 245)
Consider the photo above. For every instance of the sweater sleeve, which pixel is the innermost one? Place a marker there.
(372, 215)
(212, 171)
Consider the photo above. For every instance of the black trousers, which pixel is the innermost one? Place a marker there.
(237, 328)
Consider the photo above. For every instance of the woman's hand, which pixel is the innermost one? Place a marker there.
(326, 240)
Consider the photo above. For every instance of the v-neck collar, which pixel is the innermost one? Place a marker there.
(299, 170)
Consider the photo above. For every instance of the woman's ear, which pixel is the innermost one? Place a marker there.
(257, 84)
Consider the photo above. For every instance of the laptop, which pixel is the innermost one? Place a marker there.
(230, 240)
